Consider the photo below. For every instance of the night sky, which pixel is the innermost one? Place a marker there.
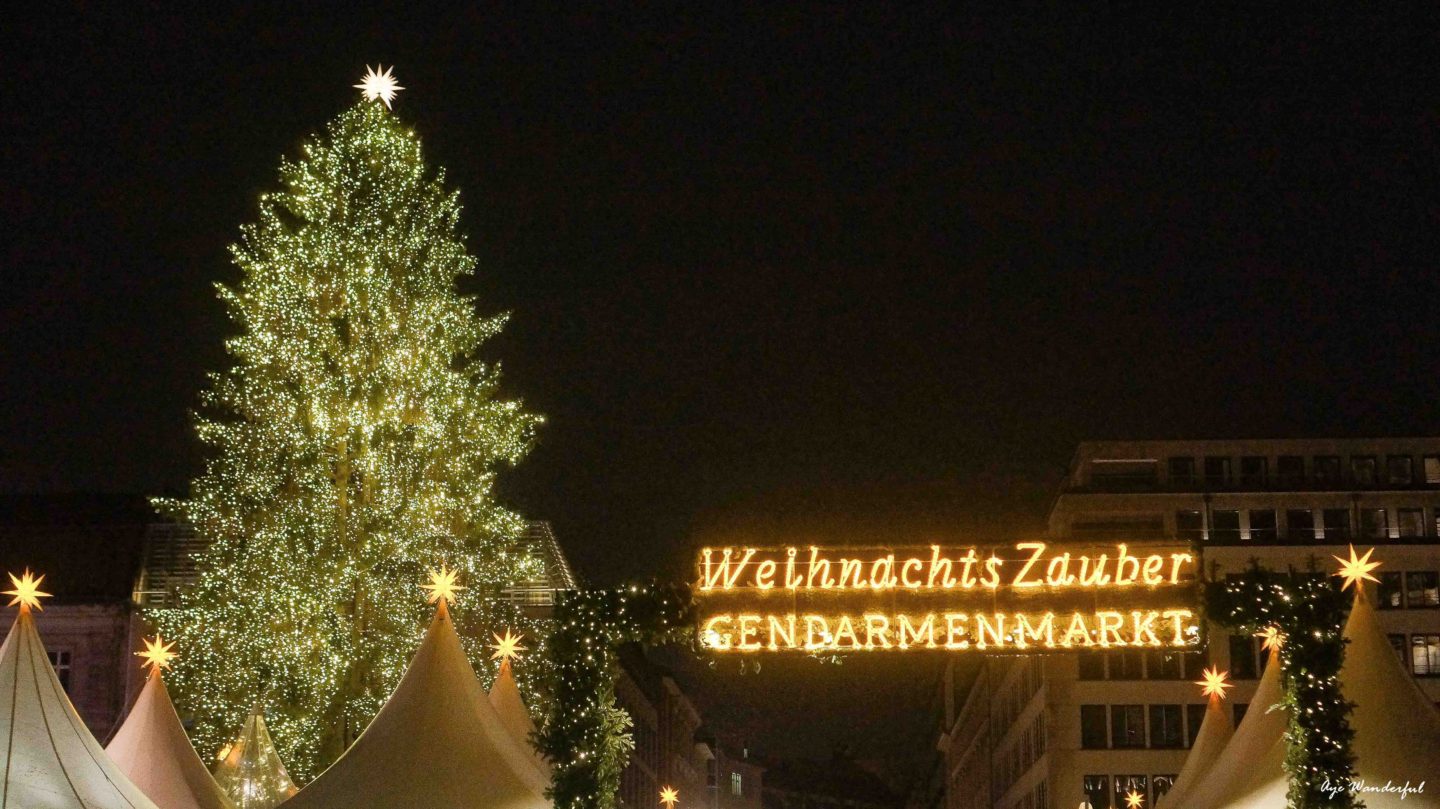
(803, 272)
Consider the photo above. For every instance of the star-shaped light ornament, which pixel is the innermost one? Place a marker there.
(26, 591)
(378, 85)
(1134, 800)
(669, 796)
(1356, 570)
(157, 654)
(1270, 638)
(442, 585)
(507, 648)
(1214, 684)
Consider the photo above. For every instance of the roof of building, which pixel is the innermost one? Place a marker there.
(88, 545)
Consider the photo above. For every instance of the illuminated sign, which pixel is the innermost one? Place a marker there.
(1024, 597)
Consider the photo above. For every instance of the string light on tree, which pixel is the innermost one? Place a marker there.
(157, 654)
(379, 84)
(1356, 570)
(25, 591)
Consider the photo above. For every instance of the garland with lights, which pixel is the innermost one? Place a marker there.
(1308, 609)
(586, 737)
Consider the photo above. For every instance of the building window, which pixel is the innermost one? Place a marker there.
(1182, 471)
(1097, 791)
(1327, 470)
(60, 661)
(1161, 784)
(1290, 469)
(1092, 727)
(1242, 657)
(1390, 592)
(1432, 470)
(1217, 472)
(1397, 642)
(1225, 525)
(1425, 654)
(1300, 525)
(1127, 723)
(1126, 665)
(1262, 526)
(737, 785)
(1372, 523)
(1165, 665)
(1240, 708)
(1092, 666)
(1336, 524)
(1253, 471)
(1194, 718)
(1410, 522)
(1362, 470)
(1189, 526)
(1125, 784)
(1422, 589)
(1165, 728)
(1399, 471)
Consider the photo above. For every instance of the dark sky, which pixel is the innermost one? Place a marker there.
(791, 271)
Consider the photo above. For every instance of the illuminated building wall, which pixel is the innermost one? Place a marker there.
(1032, 732)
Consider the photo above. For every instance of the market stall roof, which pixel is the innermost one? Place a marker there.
(250, 770)
(510, 706)
(152, 749)
(1215, 732)
(436, 742)
(47, 756)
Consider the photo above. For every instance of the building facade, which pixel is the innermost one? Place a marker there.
(1066, 729)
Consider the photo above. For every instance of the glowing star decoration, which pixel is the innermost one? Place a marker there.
(27, 591)
(157, 654)
(669, 796)
(1134, 800)
(1355, 570)
(378, 86)
(442, 585)
(1270, 638)
(508, 647)
(1214, 684)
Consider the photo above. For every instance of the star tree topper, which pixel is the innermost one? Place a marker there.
(26, 591)
(669, 796)
(442, 585)
(508, 647)
(1214, 684)
(157, 654)
(379, 86)
(1356, 570)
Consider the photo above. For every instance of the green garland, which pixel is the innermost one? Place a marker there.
(1309, 609)
(586, 736)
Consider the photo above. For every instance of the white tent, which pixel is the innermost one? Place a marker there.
(1215, 732)
(505, 696)
(48, 759)
(152, 749)
(250, 771)
(436, 742)
(1250, 753)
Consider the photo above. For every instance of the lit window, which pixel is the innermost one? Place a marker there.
(1432, 470)
(1422, 589)
(1391, 590)
(1097, 790)
(1125, 784)
(1425, 654)
(1398, 470)
(1411, 522)
(737, 785)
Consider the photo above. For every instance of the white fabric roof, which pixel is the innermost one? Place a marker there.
(151, 748)
(436, 742)
(505, 696)
(251, 772)
(1247, 754)
(1215, 732)
(48, 759)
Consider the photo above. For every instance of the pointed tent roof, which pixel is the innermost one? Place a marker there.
(47, 756)
(505, 696)
(1215, 732)
(436, 742)
(152, 749)
(251, 772)
(1248, 753)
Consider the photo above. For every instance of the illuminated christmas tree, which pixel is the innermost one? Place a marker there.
(355, 442)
